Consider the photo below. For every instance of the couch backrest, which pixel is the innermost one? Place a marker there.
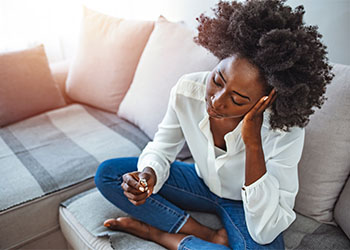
(325, 163)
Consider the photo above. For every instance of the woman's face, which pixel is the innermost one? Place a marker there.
(233, 88)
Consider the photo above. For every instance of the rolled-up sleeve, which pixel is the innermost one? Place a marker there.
(167, 143)
(269, 201)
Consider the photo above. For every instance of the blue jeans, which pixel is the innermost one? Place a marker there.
(183, 190)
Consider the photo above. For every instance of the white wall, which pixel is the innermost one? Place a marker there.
(56, 22)
(333, 19)
(331, 16)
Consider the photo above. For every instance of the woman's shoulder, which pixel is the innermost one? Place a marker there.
(193, 84)
(197, 77)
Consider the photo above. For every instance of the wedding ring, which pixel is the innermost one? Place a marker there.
(143, 182)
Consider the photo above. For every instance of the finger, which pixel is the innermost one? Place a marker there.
(149, 192)
(129, 189)
(132, 180)
(138, 176)
(137, 197)
(266, 100)
(138, 203)
(272, 100)
(149, 180)
(256, 107)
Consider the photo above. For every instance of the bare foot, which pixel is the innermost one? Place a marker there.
(145, 231)
(129, 225)
(220, 237)
(148, 232)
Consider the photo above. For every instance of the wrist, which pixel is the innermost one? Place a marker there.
(253, 146)
(150, 171)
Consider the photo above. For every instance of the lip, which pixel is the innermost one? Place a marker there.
(211, 111)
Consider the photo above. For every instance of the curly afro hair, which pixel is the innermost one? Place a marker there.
(274, 38)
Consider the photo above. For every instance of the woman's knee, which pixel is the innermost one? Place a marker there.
(114, 169)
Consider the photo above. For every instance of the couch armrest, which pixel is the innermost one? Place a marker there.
(342, 207)
(59, 72)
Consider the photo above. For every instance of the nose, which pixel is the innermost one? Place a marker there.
(217, 101)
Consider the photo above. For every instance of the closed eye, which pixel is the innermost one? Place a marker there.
(233, 100)
(216, 83)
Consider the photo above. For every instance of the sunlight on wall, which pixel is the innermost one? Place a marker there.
(55, 23)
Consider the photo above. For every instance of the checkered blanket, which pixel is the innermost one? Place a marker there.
(60, 148)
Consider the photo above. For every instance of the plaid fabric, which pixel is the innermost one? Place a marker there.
(59, 148)
(304, 233)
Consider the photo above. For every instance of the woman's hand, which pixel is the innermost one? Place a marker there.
(252, 121)
(134, 190)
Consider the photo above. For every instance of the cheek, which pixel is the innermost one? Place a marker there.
(209, 92)
(237, 111)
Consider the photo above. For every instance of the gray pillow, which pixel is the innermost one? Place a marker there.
(325, 164)
(341, 212)
(26, 85)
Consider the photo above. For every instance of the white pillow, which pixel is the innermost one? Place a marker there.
(169, 53)
(107, 56)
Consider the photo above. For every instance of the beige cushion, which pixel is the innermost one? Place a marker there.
(59, 72)
(341, 212)
(169, 54)
(40, 216)
(107, 55)
(77, 236)
(26, 85)
(325, 166)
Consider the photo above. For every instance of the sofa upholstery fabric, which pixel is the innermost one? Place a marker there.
(341, 212)
(54, 150)
(26, 85)
(82, 216)
(325, 163)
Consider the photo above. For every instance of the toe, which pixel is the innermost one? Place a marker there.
(111, 223)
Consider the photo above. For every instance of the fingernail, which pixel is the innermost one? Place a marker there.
(107, 225)
(265, 98)
(141, 189)
(148, 191)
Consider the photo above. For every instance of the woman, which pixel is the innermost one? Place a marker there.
(244, 125)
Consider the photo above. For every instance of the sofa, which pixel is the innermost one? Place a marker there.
(59, 121)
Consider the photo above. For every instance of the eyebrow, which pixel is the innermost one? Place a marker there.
(222, 77)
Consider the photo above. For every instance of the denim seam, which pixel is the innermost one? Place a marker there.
(184, 240)
(184, 220)
(245, 243)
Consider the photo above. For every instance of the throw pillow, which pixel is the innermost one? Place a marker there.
(107, 55)
(341, 212)
(169, 54)
(26, 85)
(324, 165)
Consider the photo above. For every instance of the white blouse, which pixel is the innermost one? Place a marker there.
(269, 201)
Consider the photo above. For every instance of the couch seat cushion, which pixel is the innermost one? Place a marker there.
(54, 151)
(82, 216)
(81, 221)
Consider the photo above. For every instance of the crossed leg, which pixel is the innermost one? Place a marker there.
(168, 240)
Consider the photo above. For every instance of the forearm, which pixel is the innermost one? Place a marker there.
(254, 163)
